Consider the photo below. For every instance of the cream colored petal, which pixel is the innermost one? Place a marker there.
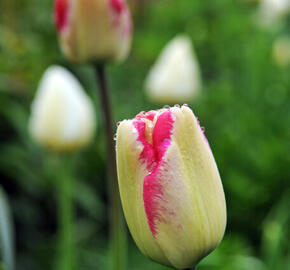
(175, 77)
(131, 174)
(193, 204)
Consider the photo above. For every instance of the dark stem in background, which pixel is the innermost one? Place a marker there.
(117, 230)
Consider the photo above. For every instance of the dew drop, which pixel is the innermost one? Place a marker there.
(115, 137)
(186, 105)
(166, 107)
(203, 129)
(177, 105)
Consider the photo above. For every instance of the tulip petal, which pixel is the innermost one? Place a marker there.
(131, 174)
(192, 204)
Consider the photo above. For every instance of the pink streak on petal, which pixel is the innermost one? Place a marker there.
(117, 5)
(162, 134)
(60, 14)
(147, 155)
(149, 115)
(153, 156)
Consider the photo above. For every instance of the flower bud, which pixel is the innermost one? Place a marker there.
(62, 115)
(175, 77)
(271, 11)
(170, 187)
(93, 30)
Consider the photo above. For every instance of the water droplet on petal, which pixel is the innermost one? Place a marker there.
(166, 107)
(186, 105)
(177, 105)
(203, 129)
(115, 137)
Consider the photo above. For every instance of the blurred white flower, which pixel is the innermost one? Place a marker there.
(271, 11)
(62, 115)
(281, 51)
(175, 77)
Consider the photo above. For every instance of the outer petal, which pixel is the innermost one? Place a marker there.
(192, 205)
(131, 174)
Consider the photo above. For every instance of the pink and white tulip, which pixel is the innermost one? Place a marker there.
(93, 30)
(170, 186)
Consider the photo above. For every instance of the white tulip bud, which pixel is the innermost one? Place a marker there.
(62, 115)
(175, 77)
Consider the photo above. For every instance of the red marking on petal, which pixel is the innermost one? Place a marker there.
(147, 115)
(117, 5)
(147, 155)
(60, 14)
(153, 155)
(150, 115)
(162, 134)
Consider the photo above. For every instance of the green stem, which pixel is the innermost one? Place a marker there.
(66, 216)
(117, 229)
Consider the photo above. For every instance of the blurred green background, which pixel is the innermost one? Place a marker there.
(244, 105)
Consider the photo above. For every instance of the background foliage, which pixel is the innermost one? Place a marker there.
(244, 106)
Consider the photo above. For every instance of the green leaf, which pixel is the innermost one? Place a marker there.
(6, 233)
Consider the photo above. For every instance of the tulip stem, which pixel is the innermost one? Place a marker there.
(66, 216)
(117, 229)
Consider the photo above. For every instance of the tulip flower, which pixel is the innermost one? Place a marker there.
(175, 77)
(271, 11)
(170, 187)
(93, 30)
(62, 115)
